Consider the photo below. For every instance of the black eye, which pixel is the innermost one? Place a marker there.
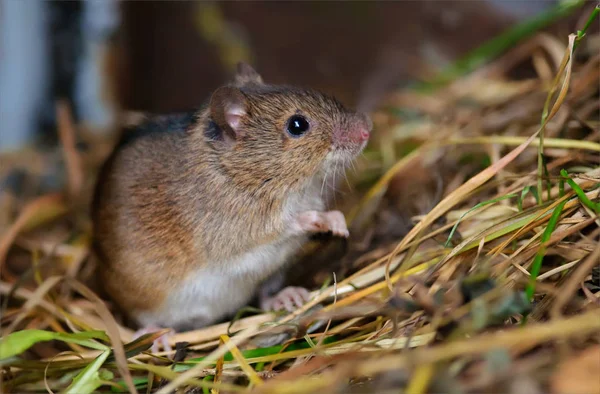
(297, 125)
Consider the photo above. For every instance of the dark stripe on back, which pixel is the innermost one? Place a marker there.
(174, 123)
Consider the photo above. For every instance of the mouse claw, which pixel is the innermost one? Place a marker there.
(313, 221)
(162, 341)
(289, 299)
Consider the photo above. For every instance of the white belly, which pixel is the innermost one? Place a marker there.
(220, 288)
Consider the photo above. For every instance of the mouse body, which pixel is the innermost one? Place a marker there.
(193, 212)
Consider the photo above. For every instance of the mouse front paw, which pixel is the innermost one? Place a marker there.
(289, 299)
(315, 222)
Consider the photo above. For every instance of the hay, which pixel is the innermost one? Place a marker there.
(495, 287)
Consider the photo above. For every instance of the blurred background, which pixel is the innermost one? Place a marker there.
(105, 56)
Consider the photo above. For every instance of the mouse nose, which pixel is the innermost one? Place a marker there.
(366, 127)
(364, 134)
(354, 131)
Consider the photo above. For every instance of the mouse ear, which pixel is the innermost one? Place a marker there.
(246, 75)
(227, 108)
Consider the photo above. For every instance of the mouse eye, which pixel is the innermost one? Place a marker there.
(297, 125)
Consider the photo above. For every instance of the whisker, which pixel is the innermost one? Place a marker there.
(323, 184)
(353, 166)
(346, 178)
(334, 183)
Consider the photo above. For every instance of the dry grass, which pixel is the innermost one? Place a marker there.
(495, 288)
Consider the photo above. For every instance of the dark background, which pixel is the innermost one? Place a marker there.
(356, 50)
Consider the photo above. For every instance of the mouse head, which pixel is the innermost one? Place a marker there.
(282, 133)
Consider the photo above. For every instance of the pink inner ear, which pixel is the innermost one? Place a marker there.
(233, 116)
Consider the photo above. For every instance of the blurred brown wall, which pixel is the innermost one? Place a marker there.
(355, 50)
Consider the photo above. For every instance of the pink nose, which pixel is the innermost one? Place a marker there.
(364, 134)
(365, 130)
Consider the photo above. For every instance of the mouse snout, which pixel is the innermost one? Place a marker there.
(352, 135)
(364, 127)
(363, 134)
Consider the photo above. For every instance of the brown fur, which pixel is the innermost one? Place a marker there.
(169, 202)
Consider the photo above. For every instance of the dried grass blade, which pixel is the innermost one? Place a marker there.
(557, 270)
(220, 351)
(573, 283)
(237, 355)
(143, 343)
(561, 143)
(32, 302)
(566, 64)
(214, 332)
(218, 369)
(420, 379)
(167, 373)
(36, 212)
(377, 287)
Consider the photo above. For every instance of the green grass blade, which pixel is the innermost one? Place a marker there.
(539, 257)
(260, 352)
(481, 204)
(88, 380)
(509, 228)
(580, 193)
(581, 33)
(18, 342)
(527, 189)
(561, 188)
(138, 381)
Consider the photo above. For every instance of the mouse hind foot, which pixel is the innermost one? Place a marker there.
(287, 299)
(162, 341)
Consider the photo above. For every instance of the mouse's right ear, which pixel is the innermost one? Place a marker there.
(227, 110)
